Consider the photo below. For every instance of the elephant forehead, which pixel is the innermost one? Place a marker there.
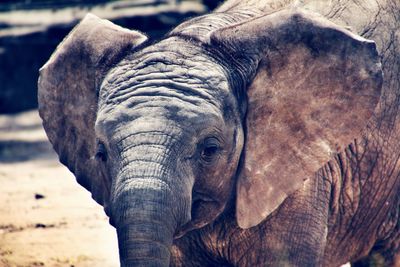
(172, 63)
(159, 108)
(165, 81)
(160, 112)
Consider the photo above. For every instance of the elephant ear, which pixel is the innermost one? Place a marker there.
(314, 88)
(68, 91)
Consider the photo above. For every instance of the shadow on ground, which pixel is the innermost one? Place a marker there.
(12, 151)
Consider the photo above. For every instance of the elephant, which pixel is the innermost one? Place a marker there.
(262, 134)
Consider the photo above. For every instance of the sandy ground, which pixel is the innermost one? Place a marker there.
(46, 218)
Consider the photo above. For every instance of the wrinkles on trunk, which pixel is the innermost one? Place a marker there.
(151, 154)
(145, 216)
(145, 223)
(149, 200)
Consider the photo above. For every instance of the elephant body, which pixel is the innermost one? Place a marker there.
(262, 134)
(349, 212)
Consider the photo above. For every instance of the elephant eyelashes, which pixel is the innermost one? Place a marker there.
(101, 153)
(210, 149)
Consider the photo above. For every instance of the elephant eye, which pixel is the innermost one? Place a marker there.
(101, 153)
(210, 149)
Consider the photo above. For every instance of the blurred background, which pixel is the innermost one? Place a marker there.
(46, 218)
(31, 30)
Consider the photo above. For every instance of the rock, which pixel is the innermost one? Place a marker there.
(30, 34)
(40, 225)
(39, 196)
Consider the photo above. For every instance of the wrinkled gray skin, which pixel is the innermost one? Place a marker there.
(168, 134)
(350, 210)
(172, 160)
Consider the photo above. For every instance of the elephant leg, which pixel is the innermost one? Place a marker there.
(185, 253)
(191, 251)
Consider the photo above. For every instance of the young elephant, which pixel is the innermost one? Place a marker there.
(262, 134)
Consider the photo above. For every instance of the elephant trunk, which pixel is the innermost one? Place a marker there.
(148, 204)
(145, 226)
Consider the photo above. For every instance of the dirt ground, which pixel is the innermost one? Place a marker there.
(46, 218)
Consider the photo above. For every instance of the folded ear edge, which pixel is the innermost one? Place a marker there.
(68, 83)
(250, 42)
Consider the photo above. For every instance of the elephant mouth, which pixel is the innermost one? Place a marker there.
(203, 211)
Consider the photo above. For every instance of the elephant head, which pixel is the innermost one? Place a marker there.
(164, 135)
